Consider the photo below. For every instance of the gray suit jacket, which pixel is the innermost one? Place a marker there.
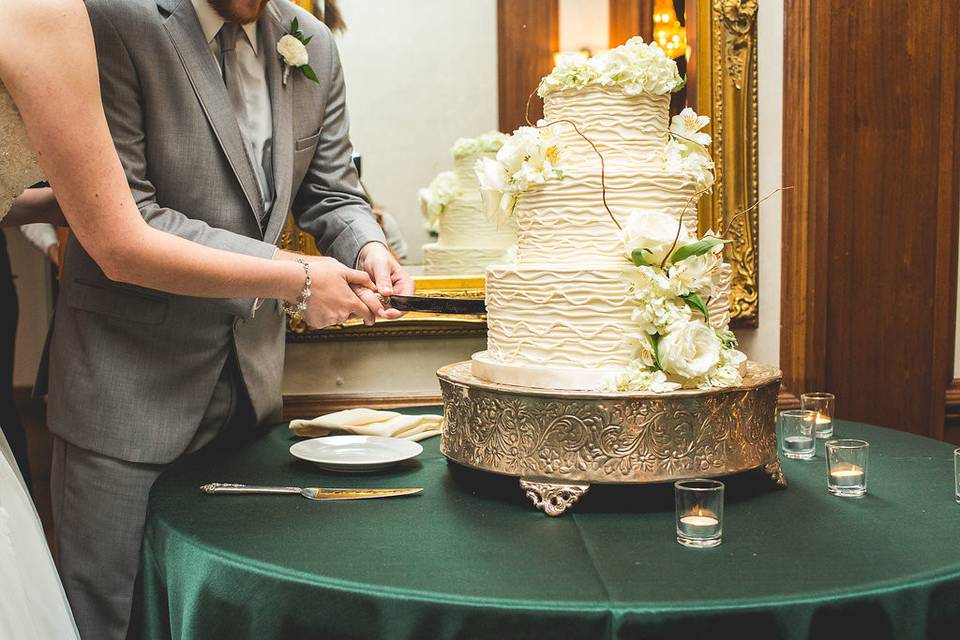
(131, 370)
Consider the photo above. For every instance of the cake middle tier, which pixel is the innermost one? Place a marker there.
(561, 316)
(565, 222)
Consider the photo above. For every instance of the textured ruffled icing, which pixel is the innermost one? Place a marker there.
(621, 126)
(439, 260)
(18, 163)
(565, 222)
(468, 240)
(547, 315)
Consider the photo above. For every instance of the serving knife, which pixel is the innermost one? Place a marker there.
(459, 306)
(312, 493)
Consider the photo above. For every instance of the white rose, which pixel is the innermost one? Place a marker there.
(655, 231)
(690, 351)
(293, 52)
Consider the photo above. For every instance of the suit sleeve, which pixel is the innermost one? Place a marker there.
(119, 85)
(331, 204)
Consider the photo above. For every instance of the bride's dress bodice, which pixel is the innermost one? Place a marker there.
(18, 163)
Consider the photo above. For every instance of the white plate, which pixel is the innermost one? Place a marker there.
(356, 453)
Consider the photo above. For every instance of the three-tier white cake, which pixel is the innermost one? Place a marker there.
(580, 309)
(468, 241)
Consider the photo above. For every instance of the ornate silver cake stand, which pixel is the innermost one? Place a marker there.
(560, 442)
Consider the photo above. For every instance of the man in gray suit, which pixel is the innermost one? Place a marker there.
(218, 145)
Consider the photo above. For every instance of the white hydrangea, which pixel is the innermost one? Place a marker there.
(435, 198)
(640, 378)
(529, 157)
(691, 160)
(636, 66)
(489, 142)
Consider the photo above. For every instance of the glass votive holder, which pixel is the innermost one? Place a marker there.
(797, 438)
(699, 512)
(956, 475)
(847, 467)
(822, 404)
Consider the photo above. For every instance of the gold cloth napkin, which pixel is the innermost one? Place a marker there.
(369, 422)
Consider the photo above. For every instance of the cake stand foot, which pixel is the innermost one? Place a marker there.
(776, 473)
(553, 499)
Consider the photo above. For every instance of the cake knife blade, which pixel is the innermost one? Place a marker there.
(459, 306)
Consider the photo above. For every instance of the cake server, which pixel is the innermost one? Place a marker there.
(460, 306)
(313, 493)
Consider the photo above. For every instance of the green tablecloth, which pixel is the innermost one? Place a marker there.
(471, 559)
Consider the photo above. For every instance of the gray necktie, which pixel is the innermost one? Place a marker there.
(232, 78)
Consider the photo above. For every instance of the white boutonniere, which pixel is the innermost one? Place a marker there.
(292, 48)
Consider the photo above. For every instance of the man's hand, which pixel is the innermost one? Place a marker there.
(338, 294)
(387, 274)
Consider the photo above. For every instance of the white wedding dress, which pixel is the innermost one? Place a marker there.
(33, 605)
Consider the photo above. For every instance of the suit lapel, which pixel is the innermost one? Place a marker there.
(281, 100)
(184, 31)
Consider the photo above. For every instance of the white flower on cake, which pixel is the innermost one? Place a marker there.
(435, 198)
(528, 157)
(671, 281)
(640, 377)
(696, 274)
(489, 142)
(690, 351)
(686, 149)
(687, 124)
(637, 67)
(652, 233)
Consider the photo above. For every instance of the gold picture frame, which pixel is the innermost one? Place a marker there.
(725, 88)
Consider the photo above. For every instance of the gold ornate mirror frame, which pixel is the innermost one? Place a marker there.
(725, 89)
(726, 86)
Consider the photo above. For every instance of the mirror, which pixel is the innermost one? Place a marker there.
(429, 82)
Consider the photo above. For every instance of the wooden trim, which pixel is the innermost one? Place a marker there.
(890, 365)
(630, 18)
(803, 301)
(528, 34)
(951, 410)
(948, 197)
(312, 405)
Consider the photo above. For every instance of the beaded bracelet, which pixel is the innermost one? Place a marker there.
(294, 311)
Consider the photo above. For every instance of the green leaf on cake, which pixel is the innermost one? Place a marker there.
(638, 259)
(655, 343)
(695, 303)
(698, 248)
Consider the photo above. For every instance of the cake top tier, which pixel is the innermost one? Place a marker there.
(636, 67)
(485, 143)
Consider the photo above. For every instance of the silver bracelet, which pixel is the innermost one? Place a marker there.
(294, 311)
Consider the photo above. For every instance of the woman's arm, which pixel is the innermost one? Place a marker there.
(48, 64)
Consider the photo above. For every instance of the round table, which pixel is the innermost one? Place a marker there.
(470, 558)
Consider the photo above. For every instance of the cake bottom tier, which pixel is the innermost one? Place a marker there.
(441, 260)
(556, 327)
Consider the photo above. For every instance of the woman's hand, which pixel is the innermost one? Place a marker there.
(338, 294)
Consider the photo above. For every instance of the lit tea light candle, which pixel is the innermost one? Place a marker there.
(847, 475)
(699, 524)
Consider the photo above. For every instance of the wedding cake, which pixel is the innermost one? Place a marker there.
(612, 288)
(468, 241)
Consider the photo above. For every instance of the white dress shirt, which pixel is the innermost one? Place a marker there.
(257, 130)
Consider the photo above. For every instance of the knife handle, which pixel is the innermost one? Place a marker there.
(223, 487)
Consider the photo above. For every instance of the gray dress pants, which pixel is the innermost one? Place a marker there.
(100, 507)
